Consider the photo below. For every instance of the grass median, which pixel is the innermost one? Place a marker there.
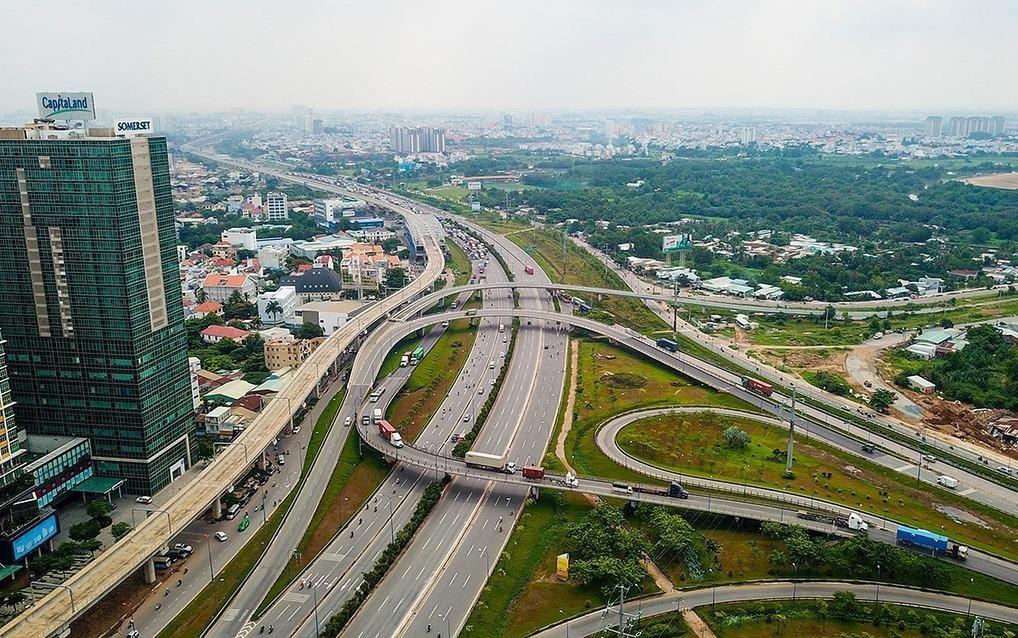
(696, 444)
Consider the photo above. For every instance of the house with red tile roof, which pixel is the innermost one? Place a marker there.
(215, 334)
(219, 287)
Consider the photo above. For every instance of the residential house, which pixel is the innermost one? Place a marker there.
(283, 301)
(220, 287)
(215, 334)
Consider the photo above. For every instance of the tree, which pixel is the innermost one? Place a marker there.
(237, 306)
(881, 400)
(92, 546)
(396, 278)
(120, 530)
(392, 245)
(85, 530)
(308, 331)
(200, 296)
(206, 450)
(843, 605)
(736, 438)
(273, 308)
(99, 510)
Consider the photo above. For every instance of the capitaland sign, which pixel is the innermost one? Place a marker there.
(65, 106)
(134, 127)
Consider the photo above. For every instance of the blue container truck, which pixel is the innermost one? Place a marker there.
(668, 344)
(936, 543)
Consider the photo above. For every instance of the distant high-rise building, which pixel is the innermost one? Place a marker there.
(956, 127)
(507, 121)
(748, 135)
(933, 125)
(276, 207)
(317, 126)
(417, 140)
(977, 125)
(997, 125)
(92, 311)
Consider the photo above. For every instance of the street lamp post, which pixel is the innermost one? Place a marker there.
(208, 544)
(314, 591)
(169, 523)
(878, 583)
(972, 582)
(70, 591)
(794, 580)
(392, 534)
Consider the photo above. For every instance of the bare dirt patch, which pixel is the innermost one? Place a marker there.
(825, 359)
(1008, 181)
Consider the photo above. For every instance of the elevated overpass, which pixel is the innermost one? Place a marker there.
(51, 615)
(995, 484)
(734, 505)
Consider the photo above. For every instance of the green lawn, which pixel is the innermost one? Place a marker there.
(602, 394)
(459, 263)
(693, 444)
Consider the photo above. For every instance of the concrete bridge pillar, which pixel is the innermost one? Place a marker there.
(262, 460)
(217, 509)
(150, 571)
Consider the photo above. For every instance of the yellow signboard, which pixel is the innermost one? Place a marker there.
(562, 566)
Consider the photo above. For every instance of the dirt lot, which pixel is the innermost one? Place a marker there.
(960, 420)
(1007, 181)
(826, 359)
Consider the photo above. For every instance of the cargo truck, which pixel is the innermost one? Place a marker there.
(533, 472)
(668, 344)
(757, 386)
(947, 481)
(675, 490)
(416, 356)
(376, 415)
(389, 433)
(853, 521)
(492, 462)
(936, 543)
(404, 360)
(625, 488)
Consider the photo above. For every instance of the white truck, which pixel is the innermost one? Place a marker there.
(853, 521)
(947, 481)
(492, 462)
(376, 415)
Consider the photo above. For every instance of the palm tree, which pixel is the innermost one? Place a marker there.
(273, 308)
(200, 295)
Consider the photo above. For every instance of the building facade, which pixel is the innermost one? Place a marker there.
(416, 140)
(92, 312)
(276, 207)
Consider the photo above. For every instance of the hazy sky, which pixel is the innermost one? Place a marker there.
(150, 56)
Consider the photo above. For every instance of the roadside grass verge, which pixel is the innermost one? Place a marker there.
(459, 263)
(551, 462)
(391, 362)
(201, 611)
(582, 269)
(523, 593)
(416, 403)
(694, 444)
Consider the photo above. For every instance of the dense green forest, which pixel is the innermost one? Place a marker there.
(809, 196)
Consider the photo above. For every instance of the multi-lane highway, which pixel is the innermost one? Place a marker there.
(333, 576)
(440, 575)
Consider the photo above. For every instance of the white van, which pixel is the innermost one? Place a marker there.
(947, 481)
(501, 327)
(376, 415)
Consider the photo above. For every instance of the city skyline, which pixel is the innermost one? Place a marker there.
(862, 56)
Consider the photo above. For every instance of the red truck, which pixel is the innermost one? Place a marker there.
(757, 386)
(533, 472)
(389, 433)
(529, 270)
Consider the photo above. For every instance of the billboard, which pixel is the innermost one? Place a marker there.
(675, 243)
(562, 566)
(65, 106)
(35, 536)
(133, 127)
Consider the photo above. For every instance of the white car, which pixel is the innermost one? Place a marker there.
(480, 389)
(144, 500)
(347, 421)
(296, 429)
(184, 547)
(221, 537)
(466, 417)
(281, 460)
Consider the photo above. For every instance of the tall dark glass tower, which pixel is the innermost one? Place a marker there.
(91, 301)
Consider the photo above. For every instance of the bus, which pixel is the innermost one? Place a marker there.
(416, 356)
(376, 395)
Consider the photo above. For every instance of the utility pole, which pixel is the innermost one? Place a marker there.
(624, 625)
(791, 436)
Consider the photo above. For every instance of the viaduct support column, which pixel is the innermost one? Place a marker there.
(150, 571)
(217, 509)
